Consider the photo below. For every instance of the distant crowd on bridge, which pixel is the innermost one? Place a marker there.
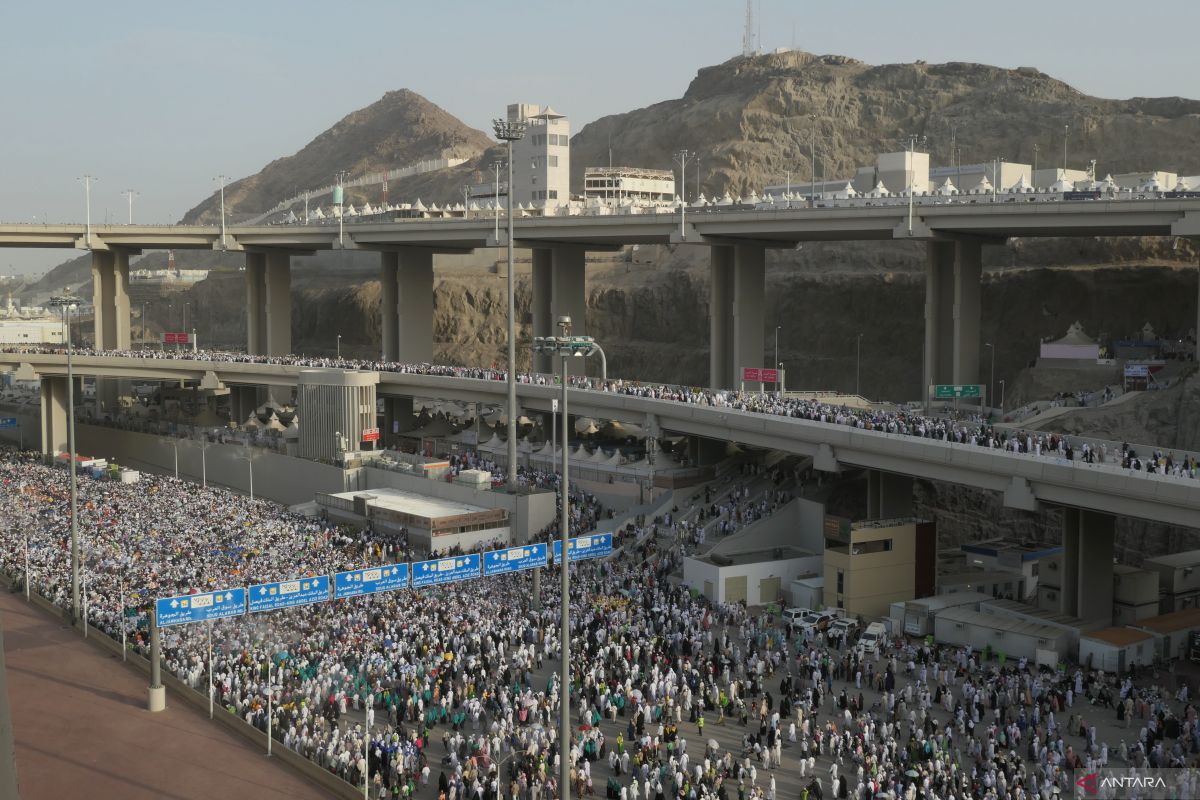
(963, 429)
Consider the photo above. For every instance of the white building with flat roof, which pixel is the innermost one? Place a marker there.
(434, 524)
(613, 184)
(542, 159)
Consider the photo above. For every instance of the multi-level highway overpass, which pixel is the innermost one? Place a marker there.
(954, 234)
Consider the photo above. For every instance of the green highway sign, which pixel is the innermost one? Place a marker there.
(950, 391)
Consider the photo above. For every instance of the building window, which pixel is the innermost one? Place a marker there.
(554, 194)
(841, 581)
(552, 161)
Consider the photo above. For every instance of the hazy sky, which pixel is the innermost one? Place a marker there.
(161, 96)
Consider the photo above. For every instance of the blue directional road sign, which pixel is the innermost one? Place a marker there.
(514, 559)
(186, 608)
(8, 422)
(593, 545)
(370, 580)
(445, 570)
(285, 594)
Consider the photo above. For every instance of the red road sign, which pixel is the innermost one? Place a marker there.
(176, 338)
(754, 374)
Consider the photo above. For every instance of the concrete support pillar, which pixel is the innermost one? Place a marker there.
(398, 416)
(703, 452)
(569, 297)
(278, 297)
(389, 298)
(120, 300)
(54, 415)
(256, 290)
(415, 307)
(939, 313)
(968, 272)
(749, 296)
(889, 496)
(1087, 579)
(1196, 356)
(540, 302)
(720, 318)
(102, 299)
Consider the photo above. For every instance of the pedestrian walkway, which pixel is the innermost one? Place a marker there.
(82, 730)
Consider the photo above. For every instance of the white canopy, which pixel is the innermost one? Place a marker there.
(947, 189)
(983, 187)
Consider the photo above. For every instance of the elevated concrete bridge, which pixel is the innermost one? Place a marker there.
(1026, 481)
(954, 234)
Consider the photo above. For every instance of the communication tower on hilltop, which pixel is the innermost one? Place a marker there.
(748, 33)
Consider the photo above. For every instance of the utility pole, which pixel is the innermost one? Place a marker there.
(87, 200)
(681, 158)
(221, 180)
(130, 193)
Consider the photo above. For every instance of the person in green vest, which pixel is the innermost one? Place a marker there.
(700, 723)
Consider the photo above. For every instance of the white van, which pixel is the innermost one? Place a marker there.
(793, 616)
(872, 638)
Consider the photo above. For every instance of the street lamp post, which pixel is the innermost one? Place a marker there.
(496, 165)
(566, 346)
(221, 180)
(68, 305)
(248, 457)
(858, 365)
(339, 347)
(87, 201)
(992, 380)
(681, 158)
(812, 162)
(130, 193)
(777, 327)
(1066, 130)
(1002, 395)
(509, 131)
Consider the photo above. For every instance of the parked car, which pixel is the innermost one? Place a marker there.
(872, 638)
(842, 630)
(792, 616)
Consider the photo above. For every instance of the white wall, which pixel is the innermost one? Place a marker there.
(695, 572)
(797, 524)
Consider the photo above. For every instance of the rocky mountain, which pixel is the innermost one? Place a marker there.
(400, 128)
(752, 120)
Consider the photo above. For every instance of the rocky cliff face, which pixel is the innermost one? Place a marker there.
(401, 128)
(752, 120)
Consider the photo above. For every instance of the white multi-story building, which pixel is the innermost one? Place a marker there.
(542, 159)
(633, 183)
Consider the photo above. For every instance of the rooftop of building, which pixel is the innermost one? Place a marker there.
(1119, 637)
(1026, 610)
(1189, 558)
(419, 505)
(943, 601)
(999, 623)
(978, 576)
(754, 556)
(1029, 551)
(630, 172)
(1182, 620)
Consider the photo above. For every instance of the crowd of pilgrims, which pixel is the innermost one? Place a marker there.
(966, 430)
(454, 695)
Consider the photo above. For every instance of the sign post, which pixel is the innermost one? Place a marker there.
(514, 559)
(371, 580)
(445, 570)
(288, 594)
(185, 608)
(581, 548)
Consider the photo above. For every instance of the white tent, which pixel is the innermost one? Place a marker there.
(947, 189)
(1020, 187)
(879, 191)
(1062, 185)
(753, 199)
(983, 187)
(418, 206)
(725, 200)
